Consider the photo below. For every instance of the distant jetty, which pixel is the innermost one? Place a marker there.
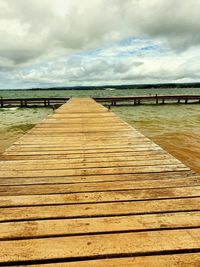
(111, 100)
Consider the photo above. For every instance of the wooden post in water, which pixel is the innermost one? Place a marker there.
(156, 99)
(1, 101)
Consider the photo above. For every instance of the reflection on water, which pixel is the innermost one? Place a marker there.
(176, 128)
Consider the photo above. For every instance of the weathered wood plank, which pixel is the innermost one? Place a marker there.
(48, 228)
(99, 209)
(10, 166)
(81, 155)
(48, 162)
(92, 149)
(96, 187)
(79, 151)
(100, 197)
(178, 260)
(94, 171)
(96, 178)
(102, 245)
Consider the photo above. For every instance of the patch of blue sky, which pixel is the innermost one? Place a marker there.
(128, 47)
(133, 40)
(150, 48)
(136, 41)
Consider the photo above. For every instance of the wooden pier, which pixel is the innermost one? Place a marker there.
(112, 100)
(32, 102)
(149, 99)
(83, 188)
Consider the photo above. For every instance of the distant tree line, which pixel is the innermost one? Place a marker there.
(132, 86)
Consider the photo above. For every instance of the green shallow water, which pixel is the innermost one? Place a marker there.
(14, 122)
(174, 127)
(156, 120)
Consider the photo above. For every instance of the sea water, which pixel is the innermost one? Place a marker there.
(175, 127)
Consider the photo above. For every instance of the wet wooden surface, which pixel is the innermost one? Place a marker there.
(84, 188)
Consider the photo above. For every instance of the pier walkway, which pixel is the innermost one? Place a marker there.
(83, 188)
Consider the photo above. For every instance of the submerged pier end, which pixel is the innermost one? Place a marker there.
(83, 188)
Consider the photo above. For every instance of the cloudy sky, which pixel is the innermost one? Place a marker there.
(96, 42)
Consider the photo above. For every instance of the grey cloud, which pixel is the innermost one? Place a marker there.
(33, 29)
(19, 56)
(175, 20)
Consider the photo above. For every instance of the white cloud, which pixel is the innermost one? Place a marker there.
(33, 32)
(142, 66)
(37, 28)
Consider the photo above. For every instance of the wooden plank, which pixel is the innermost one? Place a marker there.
(99, 209)
(48, 228)
(89, 138)
(80, 143)
(73, 146)
(82, 155)
(81, 148)
(102, 245)
(65, 151)
(178, 260)
(136, 158)
(96, 187)
(100, 197)
(94, 171)
(17, 166)
(96, 178)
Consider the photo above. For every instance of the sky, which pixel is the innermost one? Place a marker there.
(48, 43)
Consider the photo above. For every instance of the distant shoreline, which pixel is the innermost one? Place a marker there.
(117, 87)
